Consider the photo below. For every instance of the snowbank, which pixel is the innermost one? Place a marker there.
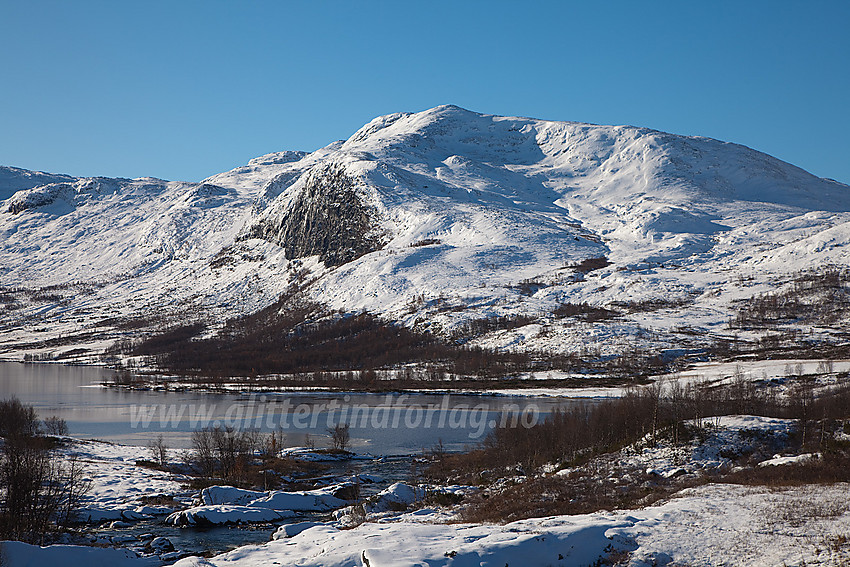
(227, 505)
(228, 495)
(19, 554)
(537, 542)
(225, 514)
(707, 526)
(291, 530)
(778, 460)
(119, 489)
(395, 497)
(319, 500)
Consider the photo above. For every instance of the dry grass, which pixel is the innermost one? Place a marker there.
(598, 485)
(832, 467)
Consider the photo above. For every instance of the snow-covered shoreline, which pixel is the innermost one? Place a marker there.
(706, 526)
(711, 524)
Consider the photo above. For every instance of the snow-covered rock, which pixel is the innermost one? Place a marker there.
(397, 496)
(319, 500)
(96, 515)
(228, 495)
(779, 460)
(134, 515)
(291, 530)
(118, 525)
(160, 510)
(225, 514)
(161, 545)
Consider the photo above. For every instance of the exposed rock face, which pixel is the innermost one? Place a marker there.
(39, 197)
(278, 157)
(49, 193)
(327, 218)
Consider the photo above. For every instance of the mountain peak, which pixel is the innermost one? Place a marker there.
(438, 218)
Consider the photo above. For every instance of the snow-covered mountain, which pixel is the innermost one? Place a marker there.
(433, 219)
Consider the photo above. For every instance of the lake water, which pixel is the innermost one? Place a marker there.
(380, 424)
(391, 427)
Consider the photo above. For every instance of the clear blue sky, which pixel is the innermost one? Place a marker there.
(182, 90)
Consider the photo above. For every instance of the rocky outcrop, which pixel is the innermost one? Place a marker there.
(326, 218)
(39, 197)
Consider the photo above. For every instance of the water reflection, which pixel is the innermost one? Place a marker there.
(381, 424)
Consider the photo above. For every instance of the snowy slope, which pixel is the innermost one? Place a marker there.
(432, 219)
(503, 200)
(706, 526)
(13, 179)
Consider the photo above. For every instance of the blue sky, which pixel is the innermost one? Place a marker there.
(182, 90)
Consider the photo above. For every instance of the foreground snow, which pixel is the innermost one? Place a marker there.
(534, 542)
(18, 554)
(714, 524)
(707, 526)
(119, 487)
(711, 525)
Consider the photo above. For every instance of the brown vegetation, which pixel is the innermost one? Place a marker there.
(585, 438)
(301, 340)
(817, 296)
(425, 242)
(832, 466)
(39, 492)
(478, 327)
(584, 311)
(590, 264)
(241, 458)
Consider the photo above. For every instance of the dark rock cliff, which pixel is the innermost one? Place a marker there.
(327, 218)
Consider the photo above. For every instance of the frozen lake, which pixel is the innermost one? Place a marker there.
(381, 424)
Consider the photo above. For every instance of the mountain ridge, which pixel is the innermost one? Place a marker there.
(434, 219)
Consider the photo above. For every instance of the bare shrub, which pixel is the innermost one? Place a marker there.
(833, 466)
(297, 338)
(272, 445)
(39, 492)
(574, 435)
(159, 451)
(584, 311)
(223, 453)
(819, 295)
(476, 327)
(654, 304)
(309, 442)
(584, 491)
(425, 242)
(18, 420)
(202, 454)
(340, 437)
(55, 426)
(590, 264)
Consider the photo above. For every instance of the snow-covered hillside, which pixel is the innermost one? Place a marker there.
(432, 219)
